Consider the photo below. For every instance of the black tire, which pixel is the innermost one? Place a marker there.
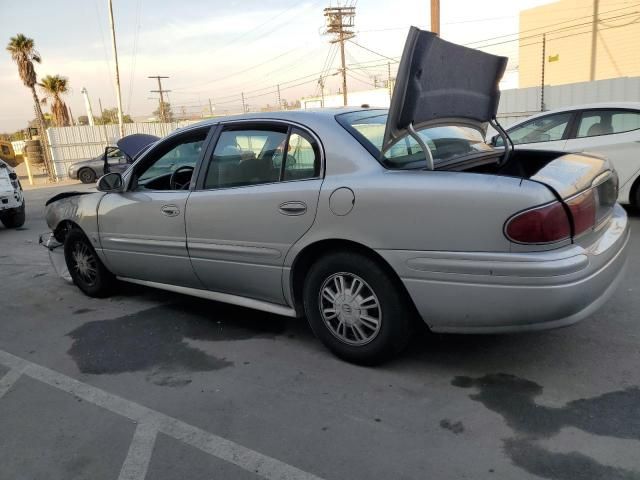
(634, 199)
(14, 218)
(86, 270)
(86, 175)
(396, 313)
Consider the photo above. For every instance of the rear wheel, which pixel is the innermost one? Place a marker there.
(13, 218)
(356, 308)
(86, 175)
(86, 270)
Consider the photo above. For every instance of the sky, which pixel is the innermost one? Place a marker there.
(215, 50)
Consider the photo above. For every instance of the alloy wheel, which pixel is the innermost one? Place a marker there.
(84, 263)
(350, 308)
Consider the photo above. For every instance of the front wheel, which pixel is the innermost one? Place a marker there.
(14, 218)
(87, 175)
(86, 270)
(356, 308)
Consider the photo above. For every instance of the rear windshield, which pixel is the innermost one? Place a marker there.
(447, 143)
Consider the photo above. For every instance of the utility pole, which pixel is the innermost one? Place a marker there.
(163, 114)
(542, 71)
(210, 107)
(594, 40)
(244, 107)
(544, 61)
(71, 115)
(87, 106)
(435, 16)
(104, 125)
(279, 99)
(389, 81)
(115, 56)
(340, 24)
(321, 83)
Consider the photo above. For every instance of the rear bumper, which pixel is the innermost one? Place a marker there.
(479, 292)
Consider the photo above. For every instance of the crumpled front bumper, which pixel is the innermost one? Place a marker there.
(56, 255)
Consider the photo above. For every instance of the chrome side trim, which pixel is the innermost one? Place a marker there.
(218, 297)
(234, 249)
(145, 242)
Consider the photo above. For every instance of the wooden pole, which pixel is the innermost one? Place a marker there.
(435, 16)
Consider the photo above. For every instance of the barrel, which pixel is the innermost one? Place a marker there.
(33, 150)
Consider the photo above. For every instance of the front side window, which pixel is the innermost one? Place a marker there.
(115, 153)
(606, 122)
(158, 167)
(545, 129)
(447, 143)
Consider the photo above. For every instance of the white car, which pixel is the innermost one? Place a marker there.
(12, 213)
(608, 129)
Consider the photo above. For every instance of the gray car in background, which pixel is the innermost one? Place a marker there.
(362, 220)
(87, 171)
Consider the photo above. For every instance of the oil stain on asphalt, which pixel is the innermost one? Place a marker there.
(614, 414)
(154, 340)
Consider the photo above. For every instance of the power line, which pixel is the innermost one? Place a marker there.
(547, 26)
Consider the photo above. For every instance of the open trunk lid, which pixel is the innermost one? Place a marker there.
(441, 83)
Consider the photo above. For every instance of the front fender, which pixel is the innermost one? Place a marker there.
(80, 210)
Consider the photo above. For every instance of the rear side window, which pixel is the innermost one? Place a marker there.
(594, 123)
(246, 157)
(543, 129)
(303, 157)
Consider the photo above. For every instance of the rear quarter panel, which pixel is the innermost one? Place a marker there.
(425, 210)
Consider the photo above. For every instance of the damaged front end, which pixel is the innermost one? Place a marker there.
(56, 255)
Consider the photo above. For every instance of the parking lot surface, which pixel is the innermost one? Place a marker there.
(150, 384)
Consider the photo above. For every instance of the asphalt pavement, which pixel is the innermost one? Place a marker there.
(150, 384)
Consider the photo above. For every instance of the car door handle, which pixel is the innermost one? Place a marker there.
(293, 208)
(170, 210)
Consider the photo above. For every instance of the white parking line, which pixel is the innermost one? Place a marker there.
(151, 421)
(9, 379)
(137, 462)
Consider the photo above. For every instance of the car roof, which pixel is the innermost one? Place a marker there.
(584, 106)
(300, 116)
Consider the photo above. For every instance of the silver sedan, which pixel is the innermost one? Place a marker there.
(362, 220)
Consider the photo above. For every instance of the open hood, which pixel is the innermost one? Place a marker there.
(439, 82)
(132, 145)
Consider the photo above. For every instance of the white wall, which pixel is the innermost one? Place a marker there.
(71, 144)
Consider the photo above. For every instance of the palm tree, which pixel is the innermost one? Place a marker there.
(52, 87)
(23, 52)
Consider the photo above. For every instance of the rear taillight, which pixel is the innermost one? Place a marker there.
(583, 210)
(546, 224)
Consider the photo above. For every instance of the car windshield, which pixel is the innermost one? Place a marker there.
(446, 143)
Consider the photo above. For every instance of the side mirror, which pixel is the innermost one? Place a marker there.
(494, 139)
(111, 182)
(122, 160)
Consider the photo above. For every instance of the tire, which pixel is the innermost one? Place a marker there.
(90, 275)
(14, 218)
(86, 175)
(344, 330)
(635, 195)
